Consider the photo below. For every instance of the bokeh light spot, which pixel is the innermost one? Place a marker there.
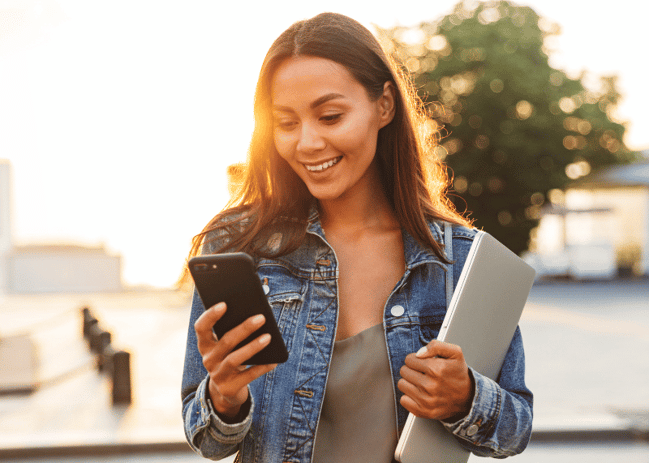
(524, 109)
(497, 85)
(481, 142)
(475, 189)
(460, 184)
(567, 105)
(504, 218)
(437, 43)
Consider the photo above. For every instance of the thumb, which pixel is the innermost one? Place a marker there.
(436, 349)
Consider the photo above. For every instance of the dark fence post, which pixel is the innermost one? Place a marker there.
(98, 339)
(116, 364)
(121, 373)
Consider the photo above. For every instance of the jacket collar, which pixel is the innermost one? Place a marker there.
(414, 252)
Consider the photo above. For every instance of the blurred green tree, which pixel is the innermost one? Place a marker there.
(513, 128)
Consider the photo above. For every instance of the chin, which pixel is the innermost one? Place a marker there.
(324, 194)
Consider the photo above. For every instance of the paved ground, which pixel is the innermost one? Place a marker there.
(587, 347)
(588, 354)
(633, 452)
(73, 404)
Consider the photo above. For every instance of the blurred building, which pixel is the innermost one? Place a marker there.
(62, 269)
(599, 228)
(5, 218)
(50, 268)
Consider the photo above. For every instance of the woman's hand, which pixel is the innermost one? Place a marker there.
(436, 382)
(229, 378)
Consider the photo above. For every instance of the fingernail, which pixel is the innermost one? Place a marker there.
(258, 319)
(220, 307)
(264, 338)
(421, 352)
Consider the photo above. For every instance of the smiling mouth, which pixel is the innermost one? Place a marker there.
(323, 166)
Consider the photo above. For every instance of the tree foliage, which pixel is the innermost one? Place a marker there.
(513, 128)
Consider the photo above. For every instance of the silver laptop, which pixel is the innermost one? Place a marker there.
(482, 317)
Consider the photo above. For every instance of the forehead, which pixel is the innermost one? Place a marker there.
(303, 79)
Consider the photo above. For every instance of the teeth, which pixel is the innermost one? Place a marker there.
(323, 166)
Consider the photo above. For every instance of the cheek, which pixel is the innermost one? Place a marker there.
(357, 138)
(283, 145)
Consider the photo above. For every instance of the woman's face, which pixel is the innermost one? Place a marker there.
(325, 126)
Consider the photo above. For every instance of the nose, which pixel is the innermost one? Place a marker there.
(310, 139)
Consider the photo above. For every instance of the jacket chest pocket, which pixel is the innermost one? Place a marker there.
(285, 295)
(429, 327)
(286, 307)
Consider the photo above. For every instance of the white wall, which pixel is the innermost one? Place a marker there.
(644, 262)
(629, 229)
(64, 272)
(5, 220)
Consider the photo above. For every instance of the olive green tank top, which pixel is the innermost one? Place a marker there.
(358, 418)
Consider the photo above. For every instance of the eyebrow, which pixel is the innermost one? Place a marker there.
(318, 102)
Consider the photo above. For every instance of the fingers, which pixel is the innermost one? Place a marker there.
(203, 326)
(232, 370)
(233, 381)
(224, 362)
(416, 408)
(236, 358)
(219, 355)
(437, 348)
(229, 378)
(445, 370)
(436, 382)
(430, 397)
(240, 333)
(421, 396)
(217, 349)
(418, 385)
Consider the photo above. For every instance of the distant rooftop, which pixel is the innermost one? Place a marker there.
(636, 174)
(58, 249)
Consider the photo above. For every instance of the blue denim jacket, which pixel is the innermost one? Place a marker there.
(285, 403)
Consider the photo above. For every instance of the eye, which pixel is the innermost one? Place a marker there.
(285, 124)
(331, 118)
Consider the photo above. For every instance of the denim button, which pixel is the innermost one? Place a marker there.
(397, 310)
(472, 430)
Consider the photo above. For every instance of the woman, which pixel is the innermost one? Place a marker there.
(345, 214)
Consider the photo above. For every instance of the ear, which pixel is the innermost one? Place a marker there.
(386, 104)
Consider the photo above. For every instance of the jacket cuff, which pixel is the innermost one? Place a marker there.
(223, 432)
(485, 409)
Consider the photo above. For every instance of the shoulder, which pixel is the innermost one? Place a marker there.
(463, 235)
(239, 229)
(462, 239)
(460, 233)
(224, 229)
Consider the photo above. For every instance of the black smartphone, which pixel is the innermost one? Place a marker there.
(232, 278)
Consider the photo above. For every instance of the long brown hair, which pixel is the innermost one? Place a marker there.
(415, 181)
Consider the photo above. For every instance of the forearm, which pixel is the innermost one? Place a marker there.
(207, 433)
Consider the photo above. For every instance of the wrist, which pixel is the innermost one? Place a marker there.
(232, 417)
(222, 406)
(466, 404)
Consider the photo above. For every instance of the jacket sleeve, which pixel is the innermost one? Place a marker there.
(206, 433)
(499, 423)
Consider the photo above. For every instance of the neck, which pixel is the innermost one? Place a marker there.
(365, 209)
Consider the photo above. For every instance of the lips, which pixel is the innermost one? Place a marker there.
(323, 166)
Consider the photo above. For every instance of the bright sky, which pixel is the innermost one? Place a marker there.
(119, 117)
